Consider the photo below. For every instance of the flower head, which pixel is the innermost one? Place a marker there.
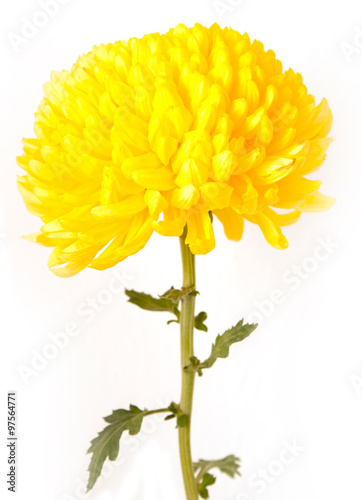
(155, 133)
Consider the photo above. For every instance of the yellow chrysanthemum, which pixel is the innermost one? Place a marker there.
(155, 133)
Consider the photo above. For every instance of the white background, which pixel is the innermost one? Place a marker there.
(296, 381)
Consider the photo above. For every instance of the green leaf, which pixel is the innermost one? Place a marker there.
(207, 480)
(170, 417)
(199, 321)
(175, 295)
(145, 301)
(106, 444)
(167, 302)
(172, 321)
(223, 342)
(229, 465)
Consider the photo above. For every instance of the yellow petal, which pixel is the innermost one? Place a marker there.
(271, 230)
(200, 234)
(169, 227)
(232, 222)
(41, 239)
(185, 197)
(165, 147)
(193, 172)
(125, 245)
(161, 179)
(140, 162)
(216, 195)
(317, 202)
(272, 170)
(223, 165)
(284, 219)
(173, 223)
(155, 201)
(129, 206)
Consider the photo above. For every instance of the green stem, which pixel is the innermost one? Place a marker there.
(188, 378)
